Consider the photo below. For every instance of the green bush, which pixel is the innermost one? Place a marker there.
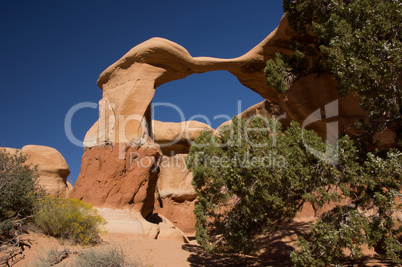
(252, 177)
(368, 219)
(18, 190)
(359, 43)
(18, 193)
(68, 218)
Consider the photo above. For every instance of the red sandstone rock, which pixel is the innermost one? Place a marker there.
(180, 213)
(118, 177)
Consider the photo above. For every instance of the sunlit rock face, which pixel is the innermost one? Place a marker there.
(125, 128)
(52, 168)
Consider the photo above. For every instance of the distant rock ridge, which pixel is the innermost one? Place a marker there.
(113, 171)
(52, 168)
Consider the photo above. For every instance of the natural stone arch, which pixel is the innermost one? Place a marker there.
(108, 177)
(129, 85)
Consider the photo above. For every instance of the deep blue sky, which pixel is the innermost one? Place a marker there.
(52, 52)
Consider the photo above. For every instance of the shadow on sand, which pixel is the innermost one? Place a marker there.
(275, 248)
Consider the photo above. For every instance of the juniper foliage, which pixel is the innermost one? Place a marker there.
(359, 43)
(252, 177)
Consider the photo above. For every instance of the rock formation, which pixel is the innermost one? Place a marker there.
(129, 85)
(114, 173)
(118, 177)
(265, 109)
(52, 168)
(176, 137)
(147, 179)
(130, 222)
(175, 194)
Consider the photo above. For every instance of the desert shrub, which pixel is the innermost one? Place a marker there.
(252, 177)
(369, 219)
(18, 193)
(18, 189)
(111, 255)
(68, 218)
(359, 43)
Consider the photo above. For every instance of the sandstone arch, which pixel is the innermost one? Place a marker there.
(130, 83)
(109, 179)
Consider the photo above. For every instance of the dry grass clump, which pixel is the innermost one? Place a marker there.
(104, 256)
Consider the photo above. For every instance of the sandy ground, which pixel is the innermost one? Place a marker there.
(149, 252)
(275, 248)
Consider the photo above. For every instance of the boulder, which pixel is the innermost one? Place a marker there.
(131, 223)
(52, 168)
(176, 137)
